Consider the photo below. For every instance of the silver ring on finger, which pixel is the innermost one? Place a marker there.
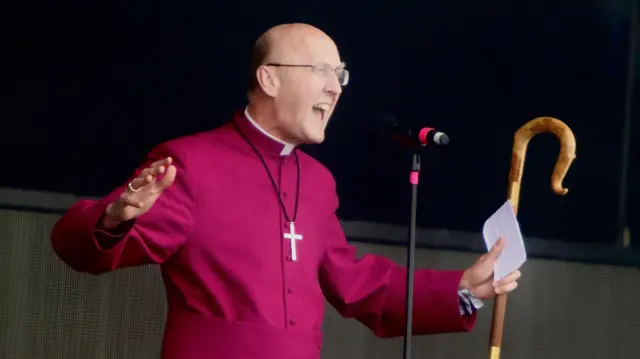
(130, 186)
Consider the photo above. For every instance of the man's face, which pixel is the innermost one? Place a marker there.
(308, 92)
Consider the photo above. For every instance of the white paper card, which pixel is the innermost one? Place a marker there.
(504, 223)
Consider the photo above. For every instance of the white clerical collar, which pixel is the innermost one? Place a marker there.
(287, 147)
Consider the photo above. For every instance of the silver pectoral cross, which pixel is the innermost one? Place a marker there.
(293, 237)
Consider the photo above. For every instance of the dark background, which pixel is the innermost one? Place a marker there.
(90, 87)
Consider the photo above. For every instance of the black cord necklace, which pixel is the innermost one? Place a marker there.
(292, 235)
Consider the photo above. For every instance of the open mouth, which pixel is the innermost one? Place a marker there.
(322, 109)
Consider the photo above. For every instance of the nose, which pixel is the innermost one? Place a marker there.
(333, 85)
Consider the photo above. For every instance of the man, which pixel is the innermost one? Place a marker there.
(243, 225)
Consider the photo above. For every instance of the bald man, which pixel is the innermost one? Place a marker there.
(243, 226)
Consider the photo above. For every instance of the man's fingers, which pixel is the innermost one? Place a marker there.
(496, 249)
(163, 162)
(168, 178)
(499, 245)
(156, 168)
(506, 288)
(153, 171)
(510, 278)
(139, 182)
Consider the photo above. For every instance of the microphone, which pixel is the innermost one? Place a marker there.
(408, 137)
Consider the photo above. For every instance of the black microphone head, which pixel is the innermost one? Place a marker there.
(390, 130)
(441, 139)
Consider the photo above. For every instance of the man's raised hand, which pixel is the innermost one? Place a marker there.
(141, 193)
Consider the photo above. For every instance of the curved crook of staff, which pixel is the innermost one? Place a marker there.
(566, 157)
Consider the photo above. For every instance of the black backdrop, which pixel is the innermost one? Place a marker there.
(98, 84)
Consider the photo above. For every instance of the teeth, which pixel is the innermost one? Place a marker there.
(322, 106)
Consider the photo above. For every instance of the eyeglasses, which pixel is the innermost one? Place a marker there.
(324, 70)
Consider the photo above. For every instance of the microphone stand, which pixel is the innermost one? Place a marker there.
(414, 178)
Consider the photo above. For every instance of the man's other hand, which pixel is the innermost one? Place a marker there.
(478, 279)
(141, 193)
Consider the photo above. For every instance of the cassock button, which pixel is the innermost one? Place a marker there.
(292, 321)
(290, 290)
(284, 194)
(289, 258)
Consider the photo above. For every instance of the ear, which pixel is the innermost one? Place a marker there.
(268, 81)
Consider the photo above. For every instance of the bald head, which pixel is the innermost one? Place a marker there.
(296, 80)
(285, 43)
